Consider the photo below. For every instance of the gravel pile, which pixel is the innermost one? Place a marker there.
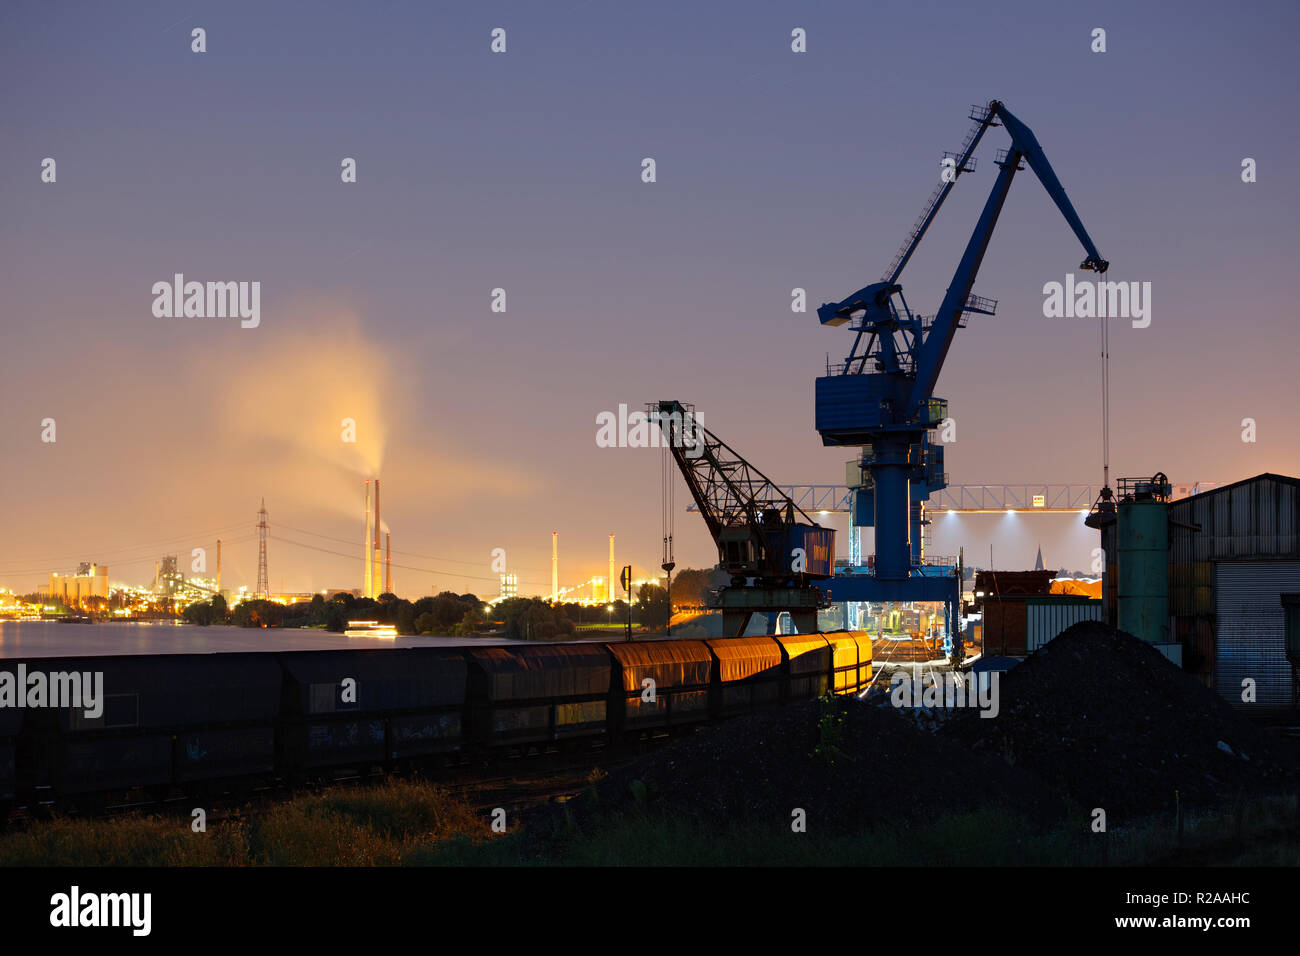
(848, 766)
(1107, 721)
(1096, 718)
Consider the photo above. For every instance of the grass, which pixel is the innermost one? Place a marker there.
(401, 823)
(379, 825)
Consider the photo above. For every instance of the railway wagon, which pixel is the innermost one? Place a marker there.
(850, 661)
(747, 675)
(11, 725)
(162, 721)
(659, 684)
(537, 694)
(807, 662)
(358, 709)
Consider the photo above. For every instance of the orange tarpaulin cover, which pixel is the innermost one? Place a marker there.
(1090, 589)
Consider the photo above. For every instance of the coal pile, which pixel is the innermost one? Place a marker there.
(849, 765)
(1106, 720)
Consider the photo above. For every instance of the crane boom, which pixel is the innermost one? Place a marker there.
(983, 118)
(770, 547)
(934, 349)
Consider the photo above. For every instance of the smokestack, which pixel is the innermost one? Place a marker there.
(609, 591)
(555, 566)
(375, 557)
(218, 565)
(388, 562)
(366, 561)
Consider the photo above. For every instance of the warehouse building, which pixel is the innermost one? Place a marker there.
(1211, 577)
(1019, 613)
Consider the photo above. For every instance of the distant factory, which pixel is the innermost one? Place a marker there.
(89, 581)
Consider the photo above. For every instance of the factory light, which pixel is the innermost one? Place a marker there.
(952, 511)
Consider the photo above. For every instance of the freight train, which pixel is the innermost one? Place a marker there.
(211, 723)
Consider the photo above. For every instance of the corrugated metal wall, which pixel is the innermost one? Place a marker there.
(1255, 518)
(1251, 640)
(1252, 520)
(1046, 620)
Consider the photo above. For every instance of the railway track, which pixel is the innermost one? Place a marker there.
(514, 780)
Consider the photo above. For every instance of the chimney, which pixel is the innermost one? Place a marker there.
(388, 562)
(555, 566)
(366, 559)
(375, 557)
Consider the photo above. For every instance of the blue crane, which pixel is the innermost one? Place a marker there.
(881, 399)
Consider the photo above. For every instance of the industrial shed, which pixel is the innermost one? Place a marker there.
(1234, 552)
(1218, 597)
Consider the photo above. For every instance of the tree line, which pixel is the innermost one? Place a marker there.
(450, 614)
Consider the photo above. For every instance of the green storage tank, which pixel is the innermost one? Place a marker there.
(1143, 558)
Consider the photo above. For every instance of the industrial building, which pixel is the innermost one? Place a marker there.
(90, 580)
(1208, 579)
(1019, 612)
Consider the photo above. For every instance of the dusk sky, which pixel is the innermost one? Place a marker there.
(522, 171)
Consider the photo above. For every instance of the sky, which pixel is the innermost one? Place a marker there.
(522, 171)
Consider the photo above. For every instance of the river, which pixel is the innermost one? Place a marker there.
(31, 639)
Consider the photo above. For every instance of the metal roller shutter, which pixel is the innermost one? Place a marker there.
(1250, 629)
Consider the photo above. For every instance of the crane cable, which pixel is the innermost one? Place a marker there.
(1105, 398)
(667, 494)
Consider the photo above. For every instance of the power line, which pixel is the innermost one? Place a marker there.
(405, 567)
(119, 562)
(147, 546)
(413, 554)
